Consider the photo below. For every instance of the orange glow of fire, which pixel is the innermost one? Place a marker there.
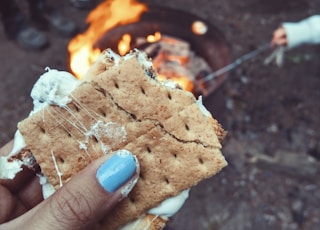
(124, 44)
(105, 16)
(184, 82)
(154, 38)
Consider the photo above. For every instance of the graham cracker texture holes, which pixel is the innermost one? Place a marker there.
(102, 112)
(134, 117)
(77, 109)
(42, 130)
(148, 150)
(132, 200)
(141, 176)
(174, 155)
(60, 160)
(143, 91)
(74, 106)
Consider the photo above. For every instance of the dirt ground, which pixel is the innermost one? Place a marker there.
(271, 114)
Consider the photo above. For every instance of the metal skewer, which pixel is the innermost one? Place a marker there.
(236, 63)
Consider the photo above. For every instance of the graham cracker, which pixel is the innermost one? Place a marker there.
(177, 145)
(147, 222)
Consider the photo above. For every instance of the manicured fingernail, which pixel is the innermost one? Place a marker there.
(117, 170)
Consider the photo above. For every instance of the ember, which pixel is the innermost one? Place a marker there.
(174, 60)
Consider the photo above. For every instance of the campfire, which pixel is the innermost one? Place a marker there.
(183, 51)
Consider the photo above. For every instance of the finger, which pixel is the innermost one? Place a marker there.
(14, 204)
(20, 180)
(31, 194)
(283, 41)
(6, 149)
(279, 42)
(17, 195)
(10, 206)
(86, 198)
(280, 32)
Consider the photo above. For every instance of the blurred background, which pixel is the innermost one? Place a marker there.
(271, 114)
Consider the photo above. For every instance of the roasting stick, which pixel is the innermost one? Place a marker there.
(236, 63)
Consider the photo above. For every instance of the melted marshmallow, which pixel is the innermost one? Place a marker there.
(170, 84)
(166, 209)
(108, 53)
(108, 134)
(170, 206)
(53, 88)
(8, 170)
(202, 107)
(47, 188)
(143, 60)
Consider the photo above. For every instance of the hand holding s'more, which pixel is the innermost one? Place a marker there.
(119, 145)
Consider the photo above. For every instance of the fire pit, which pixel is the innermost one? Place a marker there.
(198, 45)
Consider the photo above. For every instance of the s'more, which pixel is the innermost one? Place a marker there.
(120, 104)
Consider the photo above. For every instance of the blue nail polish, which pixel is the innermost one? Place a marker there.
(117, 170)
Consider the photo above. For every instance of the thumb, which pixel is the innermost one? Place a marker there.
(89, 196)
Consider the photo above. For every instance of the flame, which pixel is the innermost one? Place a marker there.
(154, 38)
(124, 44)
(105, 16)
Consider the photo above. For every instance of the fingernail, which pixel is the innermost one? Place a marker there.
(117, 170)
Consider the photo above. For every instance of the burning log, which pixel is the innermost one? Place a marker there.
(174, 60)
